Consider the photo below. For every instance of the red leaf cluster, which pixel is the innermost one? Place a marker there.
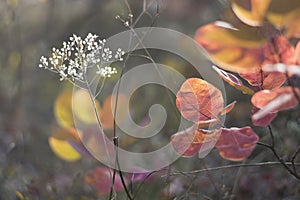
(202, 103)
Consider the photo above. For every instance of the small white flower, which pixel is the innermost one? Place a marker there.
(77, 54)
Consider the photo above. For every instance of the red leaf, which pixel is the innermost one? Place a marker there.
(285, 96)
(233, 81)
(265, 120)
(101, 179)
(274, 101)
(199, 101)
(236, 144)
(279, 50)
(193, 140)
(266, 80)
(274, 80)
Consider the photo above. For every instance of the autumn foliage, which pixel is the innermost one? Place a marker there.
(257, 53)
(264, 61)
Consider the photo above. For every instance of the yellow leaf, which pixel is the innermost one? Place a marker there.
(63, 109)
(63, 149)
(251, 12)
(283, 15)
(83, 107)
(19, 195)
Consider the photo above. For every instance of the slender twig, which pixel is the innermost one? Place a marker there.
(230, 167)
(145, 9)
(283, 163)
(100, 125)
(115, 138)
(263, 144)
(294, 157)
(139, 187)
(116, 143)
(210, 177)
(186, 193)
(236, 182)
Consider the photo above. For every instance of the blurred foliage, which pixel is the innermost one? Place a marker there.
(28, 167)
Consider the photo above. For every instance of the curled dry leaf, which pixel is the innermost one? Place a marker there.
(233, 81)
(236, 144)
(193, 140)
(199, 101)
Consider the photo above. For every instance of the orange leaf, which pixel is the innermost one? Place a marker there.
(236, 50)
(193, 140)
(106, 115)
(236, 144)
(228, 108)
(96, 143)
(67, 134)
(199, 101)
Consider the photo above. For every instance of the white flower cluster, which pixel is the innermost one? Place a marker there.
(77, 55)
